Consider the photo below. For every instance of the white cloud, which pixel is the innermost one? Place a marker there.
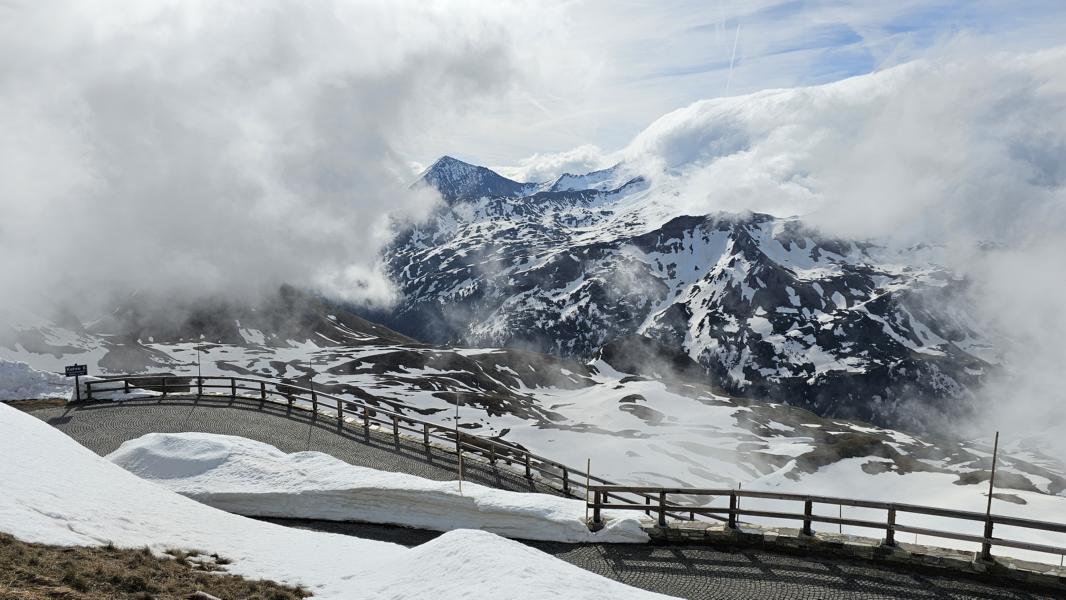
(954, 148)
(615, 65)
(228, 146)
(542, 167)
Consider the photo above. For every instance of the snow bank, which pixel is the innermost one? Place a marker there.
(20, 381)
(251, 478)
(57, 492)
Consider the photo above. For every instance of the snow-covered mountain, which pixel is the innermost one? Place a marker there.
(457, 180)
(769, 307)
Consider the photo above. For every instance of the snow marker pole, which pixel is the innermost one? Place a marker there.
(588, 477)
(458, 446)
(986, 547)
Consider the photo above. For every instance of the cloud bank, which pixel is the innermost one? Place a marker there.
(981, 141)
(547, 166)
(201, 147)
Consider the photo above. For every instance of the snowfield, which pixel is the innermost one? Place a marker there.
(58, 492)
(251, 478)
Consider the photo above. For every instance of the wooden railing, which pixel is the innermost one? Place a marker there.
(350, 412)
(601, 494)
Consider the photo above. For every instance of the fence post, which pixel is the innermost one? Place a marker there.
(662, 508)
(88, 391)
(566, 481)
(199, 386)
(529, 469)
(263, 391)
(596, 507)
(164, 386)
(425, 435)
(986, 546)
(395, 429)
(890, 530)
(233, 388)
(732, 523)
(808, 509)
(126, 385)
(314, 402)
(340, 413)
(492, 453)
(647, 502)
(366, 420)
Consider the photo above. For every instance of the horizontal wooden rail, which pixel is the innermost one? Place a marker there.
(808, 516)
(360, 414)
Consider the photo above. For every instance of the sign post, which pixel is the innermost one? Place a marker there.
(76, 371)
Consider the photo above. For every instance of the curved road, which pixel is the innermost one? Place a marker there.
(685, 571)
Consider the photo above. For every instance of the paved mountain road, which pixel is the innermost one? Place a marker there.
(685, 571)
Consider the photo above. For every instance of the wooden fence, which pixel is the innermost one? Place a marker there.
(602, 494)
(350, 412)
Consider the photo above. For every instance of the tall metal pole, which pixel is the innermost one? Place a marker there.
(458, 446)
(992, 477)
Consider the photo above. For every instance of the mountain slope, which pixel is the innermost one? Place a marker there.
(769, 307)
(664, 427)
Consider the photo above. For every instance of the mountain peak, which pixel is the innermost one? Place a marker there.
(458, 180)
(446, 161)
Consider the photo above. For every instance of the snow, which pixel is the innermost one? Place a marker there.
(20, 381)
(58, 492)
(251, 478)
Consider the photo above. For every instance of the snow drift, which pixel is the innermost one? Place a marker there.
(251, 478)
(58, 492)
(20, 381)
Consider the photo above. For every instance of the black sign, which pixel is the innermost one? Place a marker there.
(75, 370)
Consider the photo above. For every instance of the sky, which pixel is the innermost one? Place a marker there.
(610, 68)
(241, 145)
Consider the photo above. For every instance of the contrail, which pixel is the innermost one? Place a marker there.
(732, 59)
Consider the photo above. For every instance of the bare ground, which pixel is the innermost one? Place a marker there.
(39, 572)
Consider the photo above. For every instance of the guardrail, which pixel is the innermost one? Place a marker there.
(663, 507)
(566, 479)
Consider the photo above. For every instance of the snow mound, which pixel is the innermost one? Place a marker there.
(20, 381)
(500, 567)
(58, 492)
(251, 478)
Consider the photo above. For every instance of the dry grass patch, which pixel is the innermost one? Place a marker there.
(30, 405)
(36, 572)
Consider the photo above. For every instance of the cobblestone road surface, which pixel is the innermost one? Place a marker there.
(684, 571)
